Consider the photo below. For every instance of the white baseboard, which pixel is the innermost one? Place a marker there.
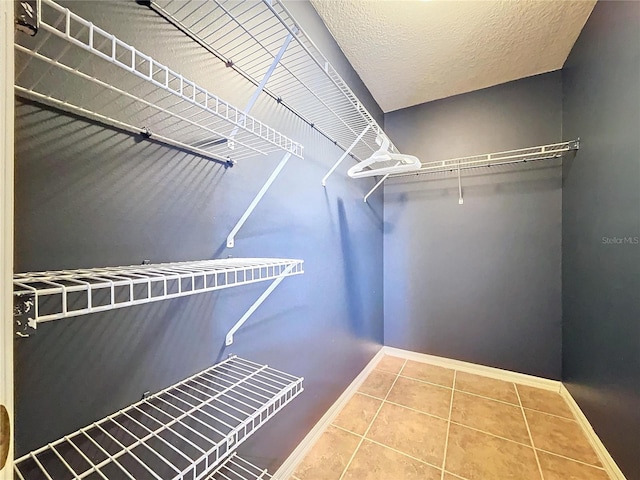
(607, 461)
(491, 372)
(291, 463)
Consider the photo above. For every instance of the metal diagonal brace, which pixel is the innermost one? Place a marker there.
(257, 303)
(344, 155)
(254, 203)
(375, 187)
(261, 85)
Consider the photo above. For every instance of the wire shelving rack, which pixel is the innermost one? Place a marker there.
(182, 432)
(45, 296)
(125, 88)
(237, 468)
(507, 157)
(247, 36)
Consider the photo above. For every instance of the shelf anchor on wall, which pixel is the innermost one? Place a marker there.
(460, 199)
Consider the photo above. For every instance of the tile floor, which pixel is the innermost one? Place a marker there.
(412, 420)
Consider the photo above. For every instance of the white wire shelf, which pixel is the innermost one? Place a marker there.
(247, 36)
(237, 468)
(45, 296)
(522, 155)
(78, 67)
(507, 157)
(182, 432)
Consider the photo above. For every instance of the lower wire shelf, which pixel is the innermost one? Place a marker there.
(182, 432)
(237, 468)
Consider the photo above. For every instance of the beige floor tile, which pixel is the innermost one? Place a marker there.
(428, 373)
(390, 364)
(487, 387)
(558, 468)
(417, 434)
(561, 436)
(479, 456)
(544, 401)
(422, 396)
(490, 416)
(358, 413)
(374, 462)
(329, 456)
(451, 476)
(377, 384)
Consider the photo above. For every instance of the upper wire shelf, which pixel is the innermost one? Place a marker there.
(247, 36)
(44, 296)
(92, 73)
(183, 432)
(521, 155)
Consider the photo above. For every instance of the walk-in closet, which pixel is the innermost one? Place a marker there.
(320, 240)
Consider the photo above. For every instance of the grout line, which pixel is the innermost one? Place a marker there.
(370, 424)
(390, 448)
(491, 434)
(487, 398)
(569, 458)
(526, 422)
(551, 414)
(454, 422)
(446, 440)
(425, 381)
(455, 475)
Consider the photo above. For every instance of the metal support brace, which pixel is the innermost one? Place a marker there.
(256, 304)
(344, 155)
(254, 203)
(375, 187)
(261, 85)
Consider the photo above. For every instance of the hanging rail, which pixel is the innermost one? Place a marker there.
(131, 90)
(507, 157)
(246, 35)
(182, 432)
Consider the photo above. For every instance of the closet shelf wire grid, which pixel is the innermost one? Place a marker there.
(247, 37)
(92, 73)
(46, 296)
(182, 432)
(237, 468)
(507, 157)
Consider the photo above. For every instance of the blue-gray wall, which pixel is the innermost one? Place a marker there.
(89, 196)
(601, 202)
(478, 282)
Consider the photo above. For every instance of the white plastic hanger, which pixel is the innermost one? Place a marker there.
(382, 157)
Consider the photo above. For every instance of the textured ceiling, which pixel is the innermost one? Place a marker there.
(411, 52)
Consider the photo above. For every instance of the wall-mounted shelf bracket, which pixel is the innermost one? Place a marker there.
(256, 304)
(261, 85)
(344, 155)
(254, 203)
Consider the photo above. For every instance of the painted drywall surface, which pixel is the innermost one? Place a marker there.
(91, 196)
(478, 282)
(601, 229)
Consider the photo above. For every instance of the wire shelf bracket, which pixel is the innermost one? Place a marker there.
(246, 35)
(96, 75)
(507, 157)
(183, 432)
(254, 203)
(46, 296)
